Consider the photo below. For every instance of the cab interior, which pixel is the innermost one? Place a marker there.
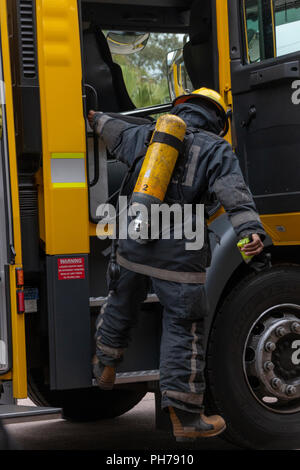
(193, 19)
(186, 31)
(107, 89)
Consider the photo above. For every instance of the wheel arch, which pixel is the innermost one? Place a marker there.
(227, 267)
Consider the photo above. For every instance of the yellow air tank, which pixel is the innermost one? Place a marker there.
(159, 162)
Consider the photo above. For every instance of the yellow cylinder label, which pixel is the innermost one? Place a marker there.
(160, 159)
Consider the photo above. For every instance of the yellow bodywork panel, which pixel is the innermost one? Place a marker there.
(63, 195)
(19, 372)
(284, 229)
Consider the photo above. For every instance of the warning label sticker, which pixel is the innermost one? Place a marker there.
(70, 268)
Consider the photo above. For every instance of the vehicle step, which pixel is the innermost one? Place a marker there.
(136, 376)
(20, 414)
(99, 301)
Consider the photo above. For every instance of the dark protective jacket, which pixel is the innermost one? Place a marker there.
(207, 169)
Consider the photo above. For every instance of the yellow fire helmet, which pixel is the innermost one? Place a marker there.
(207, 95)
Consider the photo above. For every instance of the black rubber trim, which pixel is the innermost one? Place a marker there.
(26, 93)
(215, 46)
(235, 35)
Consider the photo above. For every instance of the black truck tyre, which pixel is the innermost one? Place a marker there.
(83, 405)
(253, 361)
(6, 440)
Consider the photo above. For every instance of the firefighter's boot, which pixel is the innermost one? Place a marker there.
(104, 375)
(190, 426)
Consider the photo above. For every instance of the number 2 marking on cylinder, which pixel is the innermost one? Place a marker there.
(145, 187)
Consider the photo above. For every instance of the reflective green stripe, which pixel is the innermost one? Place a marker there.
(67, 155)
(68, 185)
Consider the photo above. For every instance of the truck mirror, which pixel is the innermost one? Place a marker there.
(178, 79)
(124, 42)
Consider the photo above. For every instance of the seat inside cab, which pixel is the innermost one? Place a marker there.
(105, 86)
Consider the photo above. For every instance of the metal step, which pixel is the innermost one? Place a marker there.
(136, 376)
(99, 301)
(20, 414)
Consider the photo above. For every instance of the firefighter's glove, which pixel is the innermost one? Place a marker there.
(93, 117)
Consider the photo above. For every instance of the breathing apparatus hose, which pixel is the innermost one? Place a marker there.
(114, 267)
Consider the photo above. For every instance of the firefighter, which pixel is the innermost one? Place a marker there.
(206, 168)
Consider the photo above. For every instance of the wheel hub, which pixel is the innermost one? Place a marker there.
(271, 360)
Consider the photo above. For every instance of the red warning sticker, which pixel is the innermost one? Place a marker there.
(70, 268)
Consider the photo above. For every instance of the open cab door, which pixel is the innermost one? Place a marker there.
(12, 308)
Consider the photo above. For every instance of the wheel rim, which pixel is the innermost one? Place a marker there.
(271, 361)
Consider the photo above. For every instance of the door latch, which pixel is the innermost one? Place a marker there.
(251, 115)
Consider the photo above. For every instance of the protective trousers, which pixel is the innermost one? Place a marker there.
(182, 355)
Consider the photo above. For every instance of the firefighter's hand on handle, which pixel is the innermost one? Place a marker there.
(91, 117)
(254, 247)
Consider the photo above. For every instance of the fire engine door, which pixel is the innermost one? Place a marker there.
(265, 69)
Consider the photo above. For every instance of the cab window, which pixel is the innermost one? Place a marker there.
(287, 26)
(145, 71)
(259, 30)
(272, 28)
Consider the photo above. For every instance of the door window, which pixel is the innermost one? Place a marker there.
(272, 28)
(259, 30)
(287, 26)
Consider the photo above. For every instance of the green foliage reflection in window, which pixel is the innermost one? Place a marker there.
(145, 72)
